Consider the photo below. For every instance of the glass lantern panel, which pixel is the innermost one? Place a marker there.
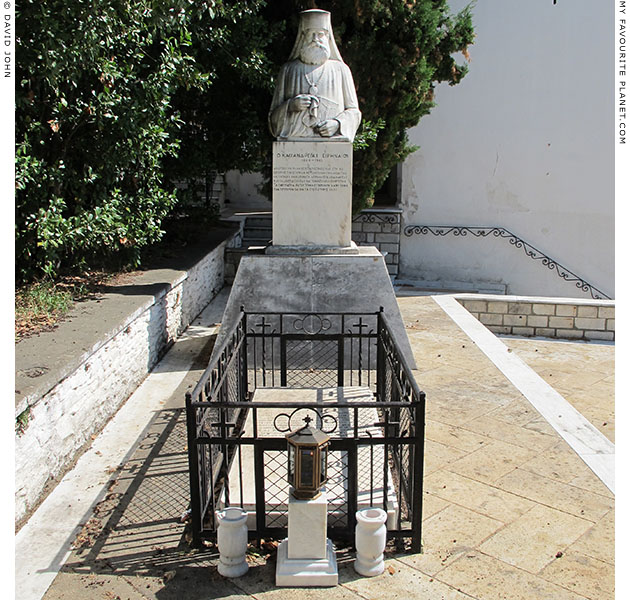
(291, 464)
(323, 464)
(307, 468)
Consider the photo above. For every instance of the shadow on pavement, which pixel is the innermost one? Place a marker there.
(135, 545)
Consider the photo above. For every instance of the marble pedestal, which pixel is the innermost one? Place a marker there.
(312, 195)
(307, 527)
(307, 558)
(306, 572)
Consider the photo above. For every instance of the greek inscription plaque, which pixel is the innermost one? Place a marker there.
(312, 194)
(311, 172)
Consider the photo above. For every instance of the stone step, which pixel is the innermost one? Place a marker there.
(258, 220)
(233, 256)
(421, 287)
(258, 233)
(253, 244)
(257, 230)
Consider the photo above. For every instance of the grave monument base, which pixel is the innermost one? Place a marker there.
(302, 250)
(315, 283)
(306, 572)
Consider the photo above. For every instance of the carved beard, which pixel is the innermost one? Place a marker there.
(314, 54)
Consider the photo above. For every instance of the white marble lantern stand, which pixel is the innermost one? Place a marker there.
(307, 558)
(370, 540)
(232, 542)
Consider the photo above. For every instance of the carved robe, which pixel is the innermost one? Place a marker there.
(333, 86)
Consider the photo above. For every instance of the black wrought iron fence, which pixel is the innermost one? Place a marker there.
(349, 374)
(311, 350)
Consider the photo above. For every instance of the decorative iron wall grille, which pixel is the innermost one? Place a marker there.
(528, 249)
(377, 446)
(380, 228)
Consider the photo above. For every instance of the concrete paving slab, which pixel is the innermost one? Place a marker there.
(599, 541)
(554, 532)
(560, 463)
(449, 534)
(403, 582)
(487, 578)
(559, 495)
(133, 544)
(593, 392)
(492, 461)
(54, 526)
(595, 449)
(503, 431)
(585, 575)
(437, 455)
(483, 498)
(455, 437)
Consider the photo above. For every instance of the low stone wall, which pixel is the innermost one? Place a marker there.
(60, 420)
(565, 318)
(380, 227)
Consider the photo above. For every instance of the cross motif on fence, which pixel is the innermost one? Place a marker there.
(263, 326)
(360, 326)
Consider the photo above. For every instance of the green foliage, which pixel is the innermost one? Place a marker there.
(367, 134)
(224, 125)
(97, 120)
(91, 128)
(397, 51)
(21, 421)
(118, 101)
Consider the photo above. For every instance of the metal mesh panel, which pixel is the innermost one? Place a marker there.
(337, 489)
(312, 363)
(276, 488)
(264, 361)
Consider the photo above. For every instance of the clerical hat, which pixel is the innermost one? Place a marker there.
(315, 19)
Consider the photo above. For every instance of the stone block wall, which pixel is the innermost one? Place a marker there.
(65, 418)
(546, 317)
(216, 191)
(232, 260)
(380, 227)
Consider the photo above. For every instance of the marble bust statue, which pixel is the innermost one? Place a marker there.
(315, 95)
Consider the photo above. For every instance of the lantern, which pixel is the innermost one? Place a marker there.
(308, 457)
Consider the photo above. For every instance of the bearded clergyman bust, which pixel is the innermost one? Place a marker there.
(315, 94)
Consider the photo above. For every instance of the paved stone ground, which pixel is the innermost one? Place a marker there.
(510, 511)
(593, 393)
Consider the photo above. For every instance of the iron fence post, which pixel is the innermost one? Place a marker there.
(352, 480)
(243, 350)
(193, 471)
(380, 358)
(418, 473)
(259, 482)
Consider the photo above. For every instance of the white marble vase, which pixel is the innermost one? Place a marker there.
(370, 540)
(232, 542)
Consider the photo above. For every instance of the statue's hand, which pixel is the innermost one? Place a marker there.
(327, 128)
(300, 102)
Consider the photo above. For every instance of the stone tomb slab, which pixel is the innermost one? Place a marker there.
(326, 283)
(369, 480)
(312, 194)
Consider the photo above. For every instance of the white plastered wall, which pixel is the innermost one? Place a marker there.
(524, 142)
